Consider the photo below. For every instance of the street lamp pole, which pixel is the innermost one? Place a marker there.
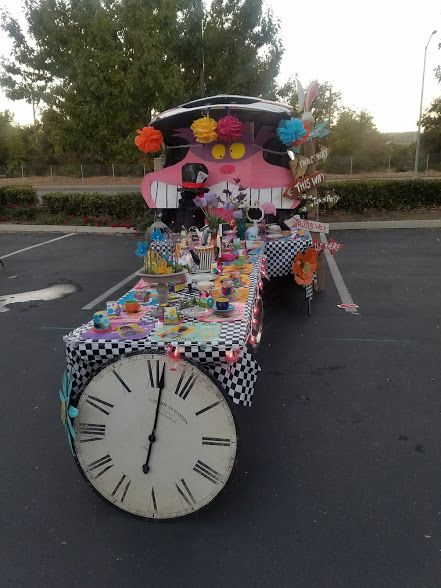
(202, 71)
(417, 151)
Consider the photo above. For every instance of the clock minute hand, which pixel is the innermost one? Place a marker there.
(152, 437)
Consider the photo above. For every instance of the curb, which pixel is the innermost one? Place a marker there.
(11, 228)
(350, 225)
(398, 224)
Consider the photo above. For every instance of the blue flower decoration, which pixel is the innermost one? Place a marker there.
(158, 235)
(290, 130)
(67, 412)
(141, 249)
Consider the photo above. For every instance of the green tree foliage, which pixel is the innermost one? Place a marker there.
(355, 134)
(431, 123)
(243, 49)
(100, 68)
(327, 104)
(6, 129)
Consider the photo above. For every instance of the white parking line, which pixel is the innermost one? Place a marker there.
(342, 290)
(37, 245)
(111, 290)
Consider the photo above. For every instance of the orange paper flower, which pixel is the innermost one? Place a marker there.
(305, 264)
(149, 140)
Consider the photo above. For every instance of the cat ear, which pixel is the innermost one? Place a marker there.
(300, 94)
(311, 93)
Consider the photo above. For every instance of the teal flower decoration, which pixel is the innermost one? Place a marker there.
(158, 235)
(67, 412)
(141, 249)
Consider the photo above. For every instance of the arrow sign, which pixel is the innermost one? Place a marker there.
(300, 185)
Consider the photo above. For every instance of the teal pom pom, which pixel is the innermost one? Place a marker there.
(290, 130)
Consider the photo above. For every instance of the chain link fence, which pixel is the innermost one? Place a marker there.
(429, 164)
(99, 173)
(75, 172)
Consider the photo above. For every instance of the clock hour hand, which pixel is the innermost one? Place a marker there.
(152, 436)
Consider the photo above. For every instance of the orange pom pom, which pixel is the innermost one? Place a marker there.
(149, 140)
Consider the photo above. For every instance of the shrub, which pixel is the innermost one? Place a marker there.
(20, 195)
(127, 205)
(358, 195)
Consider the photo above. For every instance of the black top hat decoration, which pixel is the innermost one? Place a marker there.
(194, 176)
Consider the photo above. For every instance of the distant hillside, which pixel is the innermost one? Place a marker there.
(406, 138)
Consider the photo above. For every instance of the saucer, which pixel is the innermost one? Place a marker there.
(229, 309)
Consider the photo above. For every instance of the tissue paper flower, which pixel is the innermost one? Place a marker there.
(229, 128)
(291, 130)
(204, 129)
(149, 140)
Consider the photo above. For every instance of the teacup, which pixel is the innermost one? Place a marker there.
(222, 303)
(132, 306)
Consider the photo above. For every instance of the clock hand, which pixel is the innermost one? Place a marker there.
(152, 437)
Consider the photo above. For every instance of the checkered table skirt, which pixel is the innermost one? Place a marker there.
(280, 258)
(85, 357)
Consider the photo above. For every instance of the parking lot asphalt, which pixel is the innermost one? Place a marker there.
(338, 482)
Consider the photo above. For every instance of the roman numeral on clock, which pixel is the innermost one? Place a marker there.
(153, 497)
(185, 493)
(207, 472)
(185, 386)
(156, 379)
(91, 432)
(102, 462)
(216, 441)
(122, 487)
(123, 384)
(101, 405)
(209, 407)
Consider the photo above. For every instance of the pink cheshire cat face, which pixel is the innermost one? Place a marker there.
(226, 163)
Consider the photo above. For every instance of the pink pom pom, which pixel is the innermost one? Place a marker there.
(268, 208)
(229, 128)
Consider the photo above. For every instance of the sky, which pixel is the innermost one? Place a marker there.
(371, 51)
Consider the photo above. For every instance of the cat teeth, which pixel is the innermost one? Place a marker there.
(167, 195)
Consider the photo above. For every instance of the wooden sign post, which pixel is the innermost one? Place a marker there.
(310, 151)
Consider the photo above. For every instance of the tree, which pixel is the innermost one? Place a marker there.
(101, 67)
(431, 123)
(356, 135)
(242, 47)
(327, 104)
(6, 129)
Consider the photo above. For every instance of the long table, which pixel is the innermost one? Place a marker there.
(85, 357)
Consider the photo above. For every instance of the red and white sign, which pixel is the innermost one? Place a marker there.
(302, 223)
(301, 185)
(333, 246)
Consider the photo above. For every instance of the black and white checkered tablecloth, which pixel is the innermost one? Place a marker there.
(85, 357)
(280, 255)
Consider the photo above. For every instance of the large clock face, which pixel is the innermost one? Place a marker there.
(155, 437)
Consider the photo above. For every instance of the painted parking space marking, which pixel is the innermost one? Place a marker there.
(342, 289)
(105, 295)
(50, 293)
(36, 245)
